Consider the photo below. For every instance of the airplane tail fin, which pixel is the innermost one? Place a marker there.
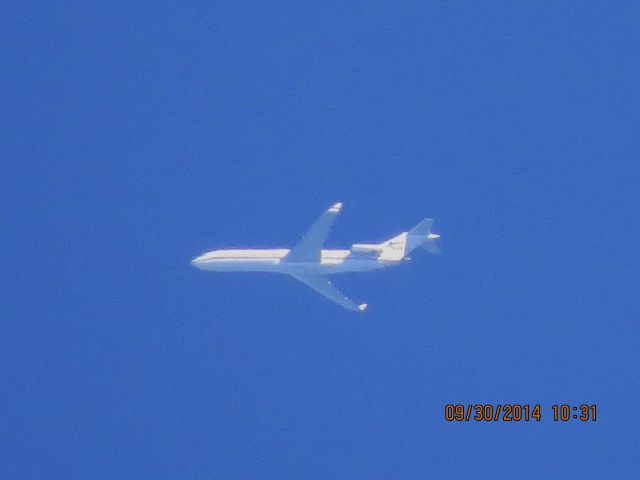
(419, 236)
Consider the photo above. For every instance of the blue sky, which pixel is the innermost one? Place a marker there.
(137, 136)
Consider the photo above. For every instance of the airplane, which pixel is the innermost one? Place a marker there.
(309, 263)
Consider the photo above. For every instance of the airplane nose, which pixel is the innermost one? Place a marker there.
(196, 261)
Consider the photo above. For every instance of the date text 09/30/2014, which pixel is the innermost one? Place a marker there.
(515, 412)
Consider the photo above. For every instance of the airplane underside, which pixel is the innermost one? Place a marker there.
(289, 268)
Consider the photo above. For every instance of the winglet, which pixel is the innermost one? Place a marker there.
(336, 207)
(362, 307)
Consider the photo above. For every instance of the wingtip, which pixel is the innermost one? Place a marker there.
(336, 207)
(362, 307)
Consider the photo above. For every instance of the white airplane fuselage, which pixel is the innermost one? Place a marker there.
(271, 260)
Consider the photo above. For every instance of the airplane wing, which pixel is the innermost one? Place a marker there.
(323, 286)
(309, 248)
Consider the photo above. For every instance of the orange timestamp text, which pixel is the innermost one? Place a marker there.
(516, 412)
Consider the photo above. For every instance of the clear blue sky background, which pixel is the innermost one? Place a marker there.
(137, 136)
